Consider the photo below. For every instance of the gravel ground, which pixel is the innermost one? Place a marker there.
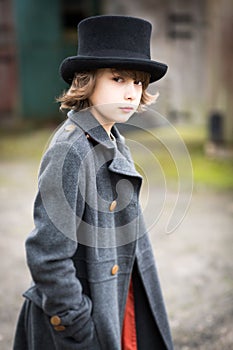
(195, 261)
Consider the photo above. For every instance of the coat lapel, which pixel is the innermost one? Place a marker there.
(122, 162)
(121, 165)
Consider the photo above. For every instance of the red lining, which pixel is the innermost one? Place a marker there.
(129, 335)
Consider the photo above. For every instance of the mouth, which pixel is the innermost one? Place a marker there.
(127, 109)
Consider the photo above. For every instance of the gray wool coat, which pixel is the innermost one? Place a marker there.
(89, 240)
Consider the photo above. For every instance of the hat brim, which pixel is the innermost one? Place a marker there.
(76, 64)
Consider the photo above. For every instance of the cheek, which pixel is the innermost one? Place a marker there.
(139, 97)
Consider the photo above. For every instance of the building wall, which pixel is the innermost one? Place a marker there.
(46, 34)
(219, 58)
(39, 53)
(8, 61)
(193, 37)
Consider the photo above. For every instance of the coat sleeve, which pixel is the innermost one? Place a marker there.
(50, 246)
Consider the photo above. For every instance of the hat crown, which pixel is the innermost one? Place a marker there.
(113, 41)
(114, 36)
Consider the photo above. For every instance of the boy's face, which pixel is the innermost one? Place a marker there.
(115, 97)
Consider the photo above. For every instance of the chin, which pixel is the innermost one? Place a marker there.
(123, 119)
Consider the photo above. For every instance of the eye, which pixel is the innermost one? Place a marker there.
(118, 79)
(138, 82)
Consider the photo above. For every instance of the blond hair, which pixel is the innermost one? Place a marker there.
(83, 85)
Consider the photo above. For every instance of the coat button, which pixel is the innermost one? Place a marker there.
(88, 136)
(59, 328)
(115, 269)
(70, 127)
(55, 320)
(113, 205)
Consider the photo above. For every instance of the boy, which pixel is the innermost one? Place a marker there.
(95, 284)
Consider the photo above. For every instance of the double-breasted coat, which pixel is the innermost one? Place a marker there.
(89, 240)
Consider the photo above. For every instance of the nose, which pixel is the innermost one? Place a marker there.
(130, 91)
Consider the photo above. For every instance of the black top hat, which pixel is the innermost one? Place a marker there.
(113, 42)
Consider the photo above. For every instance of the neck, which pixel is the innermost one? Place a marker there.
(107, 128)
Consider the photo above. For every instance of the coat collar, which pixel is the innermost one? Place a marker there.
(121, 161)
(85, 120)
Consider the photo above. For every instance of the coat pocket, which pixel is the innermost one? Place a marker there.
(69, 338)
(73, 342)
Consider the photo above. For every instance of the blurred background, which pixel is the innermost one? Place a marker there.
(195, 39)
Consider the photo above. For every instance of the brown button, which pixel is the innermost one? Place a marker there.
(59, 328)
(70, 127)
(55, 320)
(113, 205)
(115, 269)
(88, 136)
